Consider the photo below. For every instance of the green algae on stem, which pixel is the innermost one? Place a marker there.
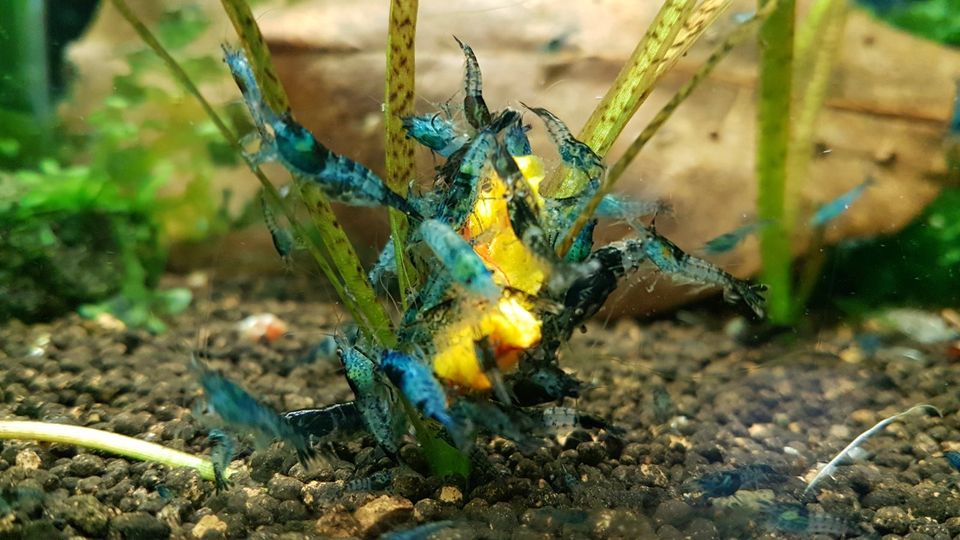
(105, 441)
(398, 103)
(627, 92)
(773, 140)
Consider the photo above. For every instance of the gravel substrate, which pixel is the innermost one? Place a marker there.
(691, 399)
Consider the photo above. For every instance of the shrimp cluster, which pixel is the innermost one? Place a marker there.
(479, 343)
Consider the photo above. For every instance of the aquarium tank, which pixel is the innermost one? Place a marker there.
(421, 270)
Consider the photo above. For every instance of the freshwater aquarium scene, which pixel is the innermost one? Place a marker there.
(519, 269)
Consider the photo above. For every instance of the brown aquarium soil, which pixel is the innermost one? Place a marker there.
(692, 402)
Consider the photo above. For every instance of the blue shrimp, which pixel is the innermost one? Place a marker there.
(749, 477)
(680, 266)
(299, 152)
(242, 412)
(220, 456)
(332, 422)
(459, 259)
(953, 458)
(421, 388)
(375, 399)
(475, 109)
(831, 210)
(436, 133)
(727, 241)
(574, 153)
(516, 139)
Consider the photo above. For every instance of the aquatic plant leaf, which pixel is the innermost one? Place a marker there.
(181, 26)
(627, 92)
(398, 104)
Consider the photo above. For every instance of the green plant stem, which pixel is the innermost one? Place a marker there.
(818, 45)
(398, 101)
(773, 140)
(339, 262)
(105, 441)
(616, 171)
(338, 259)
(627, 92)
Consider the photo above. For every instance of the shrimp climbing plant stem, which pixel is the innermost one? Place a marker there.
(773, 140)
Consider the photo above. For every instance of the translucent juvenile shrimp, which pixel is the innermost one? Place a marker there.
(516, 139)
(459, 259)
(474, 107)
(283, 240)
(727, 241)
(833, 209)
(680, 266)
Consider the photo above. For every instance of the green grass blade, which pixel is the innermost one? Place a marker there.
(773, 139)
(627, 92)
(398, 100)
(344, 265)
(686, 36)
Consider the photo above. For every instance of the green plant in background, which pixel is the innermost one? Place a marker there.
(918, 265)
(89, 222)
(938, 20)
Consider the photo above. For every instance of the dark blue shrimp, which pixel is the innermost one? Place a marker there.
(475, 109)
(375, 399)
(953, 458)
(459, 259)
(434, 132)
(618, 207)
(283, 240)
(516, 139)
(242, 412)
(337, 421)
(377, 481)
(573, 153)
(544, 384)
(339, 177)
(488, 364)
(831, 210)
(421, 388)
(220, 456)
(299, 152)
(750, 477)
